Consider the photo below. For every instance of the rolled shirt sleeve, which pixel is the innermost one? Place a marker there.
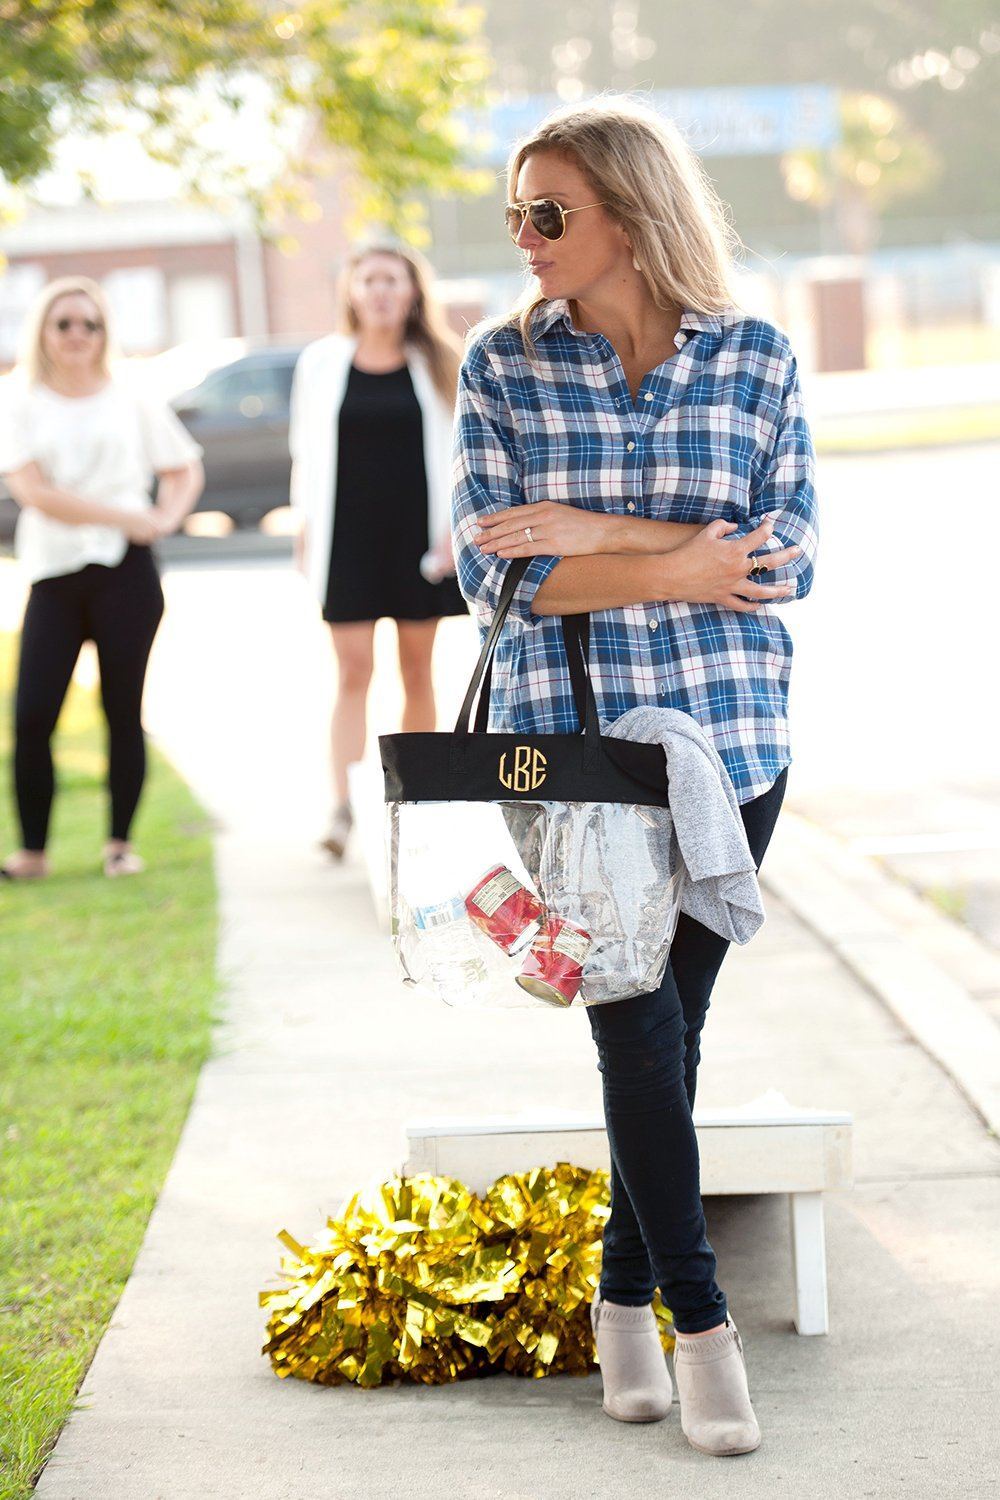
(787, 491)
(486, 478)
(166, 441)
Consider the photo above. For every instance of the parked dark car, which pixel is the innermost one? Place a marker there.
(239, 415)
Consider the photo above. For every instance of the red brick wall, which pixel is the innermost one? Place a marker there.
(172, 260)
(301, 281)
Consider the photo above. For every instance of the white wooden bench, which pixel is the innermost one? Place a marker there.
(766, 1146)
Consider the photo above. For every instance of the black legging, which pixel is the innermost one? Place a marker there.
(119, 609)
(648, 1049)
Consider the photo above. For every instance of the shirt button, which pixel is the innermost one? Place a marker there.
(654, 624)
(648, 396)
(630, 505)
(629, 447)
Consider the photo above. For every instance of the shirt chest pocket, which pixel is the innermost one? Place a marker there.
(707, 462)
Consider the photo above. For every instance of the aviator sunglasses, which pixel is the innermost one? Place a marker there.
(546, 215)
(87, 324)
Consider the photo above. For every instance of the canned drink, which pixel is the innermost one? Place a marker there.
(508, 913)
(553, 969)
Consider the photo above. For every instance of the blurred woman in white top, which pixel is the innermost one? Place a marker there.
(78, 449)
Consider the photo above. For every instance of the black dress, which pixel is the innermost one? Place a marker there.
(380, 517)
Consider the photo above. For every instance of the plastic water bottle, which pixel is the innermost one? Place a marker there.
(447, 946)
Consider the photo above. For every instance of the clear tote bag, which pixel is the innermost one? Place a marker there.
(530, 869)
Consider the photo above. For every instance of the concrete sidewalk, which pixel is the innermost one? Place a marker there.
(322, 1057)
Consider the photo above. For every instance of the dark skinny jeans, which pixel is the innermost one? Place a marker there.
(118, 609)
(648, 1054)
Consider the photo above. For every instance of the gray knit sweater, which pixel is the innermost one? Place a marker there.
(721, 889)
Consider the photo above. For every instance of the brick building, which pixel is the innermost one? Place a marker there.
(175, 273)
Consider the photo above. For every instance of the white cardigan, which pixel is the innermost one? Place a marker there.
(318, 388)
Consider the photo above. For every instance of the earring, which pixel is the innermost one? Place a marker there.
(636, 264)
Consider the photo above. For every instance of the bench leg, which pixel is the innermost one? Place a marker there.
(808, 1262)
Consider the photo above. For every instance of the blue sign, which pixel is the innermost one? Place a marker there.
(755, 121)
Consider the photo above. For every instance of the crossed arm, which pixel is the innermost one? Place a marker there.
(177, 492)
(591, 560)
(606, 561)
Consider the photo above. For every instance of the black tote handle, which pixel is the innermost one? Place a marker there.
(484, 666)
(576, 640)
(576, 637)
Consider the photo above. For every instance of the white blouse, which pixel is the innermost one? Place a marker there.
(104, 448)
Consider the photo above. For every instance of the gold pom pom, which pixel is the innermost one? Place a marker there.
(420, 1279)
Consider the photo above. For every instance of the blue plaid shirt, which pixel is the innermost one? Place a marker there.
(716, 432)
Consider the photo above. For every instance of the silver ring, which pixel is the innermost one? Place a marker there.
(527, 532)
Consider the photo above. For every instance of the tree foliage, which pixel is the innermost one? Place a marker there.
(879, 159)
(936, 61)
(380, 80)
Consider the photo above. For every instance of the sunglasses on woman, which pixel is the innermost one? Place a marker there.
(87, 324)
(546, 215)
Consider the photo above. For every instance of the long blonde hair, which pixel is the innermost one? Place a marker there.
(653, 186)
(426, 327)
(33, 362)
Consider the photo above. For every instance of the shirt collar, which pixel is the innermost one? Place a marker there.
(556, 311)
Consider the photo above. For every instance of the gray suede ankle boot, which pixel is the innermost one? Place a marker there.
(711, 1376)
(633, 1365)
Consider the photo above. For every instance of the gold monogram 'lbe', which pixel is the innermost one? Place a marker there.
(474, 764)
(528, 771)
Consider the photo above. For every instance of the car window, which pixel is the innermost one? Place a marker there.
(283, 374)
(248, 391)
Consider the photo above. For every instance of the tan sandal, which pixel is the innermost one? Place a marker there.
(341, 823)
(123, 862)
(7, 873)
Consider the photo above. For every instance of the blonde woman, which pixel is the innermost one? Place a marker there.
(371, 436)
(78, 450)
(643, 442)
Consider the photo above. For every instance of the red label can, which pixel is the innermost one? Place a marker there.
(553, 970)
(506, 910)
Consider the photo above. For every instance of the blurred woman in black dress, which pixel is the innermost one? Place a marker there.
(371, 441)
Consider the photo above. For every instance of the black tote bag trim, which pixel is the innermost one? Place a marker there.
(478, 766)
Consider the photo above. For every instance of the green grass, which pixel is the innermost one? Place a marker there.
(107, 991)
